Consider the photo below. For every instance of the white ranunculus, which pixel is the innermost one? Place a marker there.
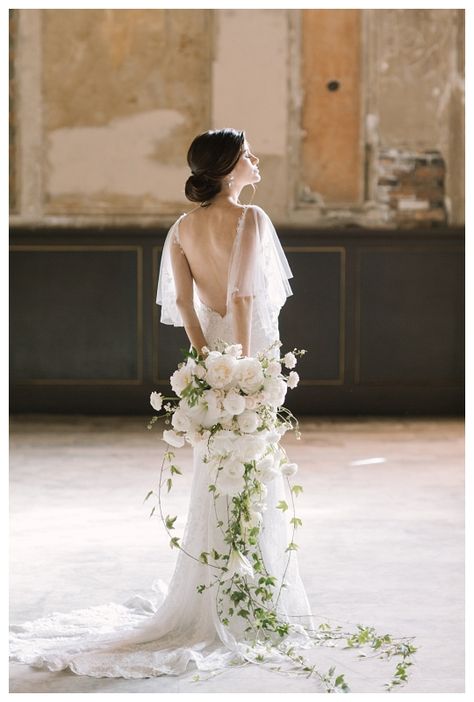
(249, 447)
(293, 379)
(234, 403)
(156, 400)
(289, 469)
(180, 421)
(171, 437)
(237, 564)
(249, 375)
(289, 359)
(231, 478)
(274, 391)
(248, 421)
(274, 368)
(220, 371)
(180, 379)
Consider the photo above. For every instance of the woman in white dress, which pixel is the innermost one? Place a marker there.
(223, 276)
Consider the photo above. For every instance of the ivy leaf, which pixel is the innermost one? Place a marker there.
(296, 521)
(175, 469)
(169, 483)
(291, 546)
(169, 521)
(152, 512)
(282, 505)
(297, 489)
(149, 495)
(174, 542)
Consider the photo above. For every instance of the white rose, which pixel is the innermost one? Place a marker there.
(289, 359)
(156, 400)
(180, 421)
(293, 379)
(234, 403)
(289, 469)
(220, 371)
(248, 421)
(199, 371)
(251, 402)
(171, 437)
(274, 368)
(234, 350)
(249, 375)
(230, 480)
(180, 379)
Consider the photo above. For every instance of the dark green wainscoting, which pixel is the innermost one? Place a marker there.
(380, 312)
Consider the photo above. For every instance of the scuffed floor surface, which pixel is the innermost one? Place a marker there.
(382, 541)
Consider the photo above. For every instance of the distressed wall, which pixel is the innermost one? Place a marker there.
(106, 103)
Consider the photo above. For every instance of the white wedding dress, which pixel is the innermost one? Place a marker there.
(161, 635)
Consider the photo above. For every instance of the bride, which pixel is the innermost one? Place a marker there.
(224, 278)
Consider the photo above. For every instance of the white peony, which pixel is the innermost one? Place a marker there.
(180, 421)
(171, 437)
(249, 375)
(274, 368)
(274, 391)
(248, 421)
(220, 370)
(267, 469)
(210, 410)
(223, 442)
(234, 403)
(180, 379)
(249, 447)
(289, 469)
(289, 359)
(237, 564)
(230, 480)
(156, 400)
(293, 379)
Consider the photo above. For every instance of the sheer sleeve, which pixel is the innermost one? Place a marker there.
(166, 289)
(258, 266)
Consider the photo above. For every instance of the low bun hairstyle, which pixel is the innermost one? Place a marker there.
(211, 156)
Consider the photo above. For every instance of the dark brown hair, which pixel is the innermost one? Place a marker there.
(211, 156)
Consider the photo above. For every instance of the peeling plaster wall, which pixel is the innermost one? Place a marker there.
(123, 91)
(416, 91)
(108, 102)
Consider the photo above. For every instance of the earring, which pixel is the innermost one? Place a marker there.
(229, 181)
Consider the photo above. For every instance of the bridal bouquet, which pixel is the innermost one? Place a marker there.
(231, 406)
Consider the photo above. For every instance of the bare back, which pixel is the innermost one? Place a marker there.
(207, 236)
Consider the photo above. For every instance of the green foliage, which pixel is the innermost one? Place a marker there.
(282, 505)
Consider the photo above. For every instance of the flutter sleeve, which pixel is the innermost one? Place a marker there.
(259, 267)
(166, 289)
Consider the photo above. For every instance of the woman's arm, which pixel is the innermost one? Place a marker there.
(242, 321)
(184, 296)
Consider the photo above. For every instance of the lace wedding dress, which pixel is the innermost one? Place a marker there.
(178, 625)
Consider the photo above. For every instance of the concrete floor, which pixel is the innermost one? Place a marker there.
(382, 543)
